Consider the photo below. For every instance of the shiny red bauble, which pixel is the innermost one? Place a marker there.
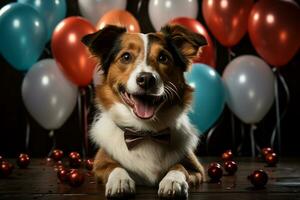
(89, 164)
(258, 178)
(63, 175)
(266, 150)
(215, 172)
(6, 168)
(227, 155)
(76, 178)
(230, 167)
(271, 159)
(23, 160)
(74, 160)
(57, 154)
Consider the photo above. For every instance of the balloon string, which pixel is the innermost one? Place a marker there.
(80, 116)
(278, 117)
(211, 132)
(253, 145)
(52, 135)
(85, 123)
(27, 139)
(239, 148)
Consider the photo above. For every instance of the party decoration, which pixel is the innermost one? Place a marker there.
(215, 173)
(52, 11)
(119, 18)
(250, 86)
(48, 96)
(76, 178)
(6, 169)
(57, 154)
(266, 150)
(209, 96)
(23, 160)
(75, 160)
(227, 155)
(162, 11)
(63, 175)
(230, 167)
(89, 163)
(258, 178)
(70, 53)
(274, 30)
(23, 35)
(227, 19)
(93, 10)
(271, 159)
(207, 53)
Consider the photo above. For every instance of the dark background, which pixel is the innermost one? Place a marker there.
(14, 117)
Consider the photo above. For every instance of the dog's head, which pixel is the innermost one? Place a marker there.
(144, 72)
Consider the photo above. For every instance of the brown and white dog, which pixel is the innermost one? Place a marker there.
(143, 130)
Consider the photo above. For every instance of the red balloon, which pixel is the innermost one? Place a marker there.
(73, 57)
(227, 19)
(207, 56)
(119, 18)
(274, 29)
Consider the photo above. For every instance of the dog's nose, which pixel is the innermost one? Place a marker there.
(146, 80)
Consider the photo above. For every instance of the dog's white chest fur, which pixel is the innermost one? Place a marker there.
(148, 161)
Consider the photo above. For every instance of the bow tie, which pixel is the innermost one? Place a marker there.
(133, 137)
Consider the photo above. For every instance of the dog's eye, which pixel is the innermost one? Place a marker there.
(163, 58)
(126, 58)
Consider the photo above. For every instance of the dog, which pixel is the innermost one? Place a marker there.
(143, 130)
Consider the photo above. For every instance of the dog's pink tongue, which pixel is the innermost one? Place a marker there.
(143, 110)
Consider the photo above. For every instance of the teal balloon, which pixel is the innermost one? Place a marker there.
(23, 35)
(52, 10)
(208, 98)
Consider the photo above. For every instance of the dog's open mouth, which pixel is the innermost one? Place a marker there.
(144, 106)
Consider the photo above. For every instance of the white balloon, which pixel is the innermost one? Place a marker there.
(93, 10)
(250, 86)
(162, 11)
(49, 97)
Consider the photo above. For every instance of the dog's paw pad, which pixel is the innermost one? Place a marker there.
(119, 184)
(172, 186)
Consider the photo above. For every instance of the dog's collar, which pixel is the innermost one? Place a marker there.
(134, 137)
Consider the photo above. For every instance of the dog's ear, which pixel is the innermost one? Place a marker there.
(103, 44)
(185, 44)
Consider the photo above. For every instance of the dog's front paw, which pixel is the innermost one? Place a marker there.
(173, 185)
(119, 184)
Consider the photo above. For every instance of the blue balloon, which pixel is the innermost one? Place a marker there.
(209, 96)
(52, 10)
(23, 35)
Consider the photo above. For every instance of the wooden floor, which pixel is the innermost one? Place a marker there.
(39, 181)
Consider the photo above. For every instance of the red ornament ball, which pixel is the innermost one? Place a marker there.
(76, 178)
(215, 172)
(266, 151)
(230, 167)
(6, 169)
(63, 175)
(89, 164)
(227, 155)
(23, 160)
(57, 154)
(271, 159)
(74, 155)
(258, 178)
(1, 158)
